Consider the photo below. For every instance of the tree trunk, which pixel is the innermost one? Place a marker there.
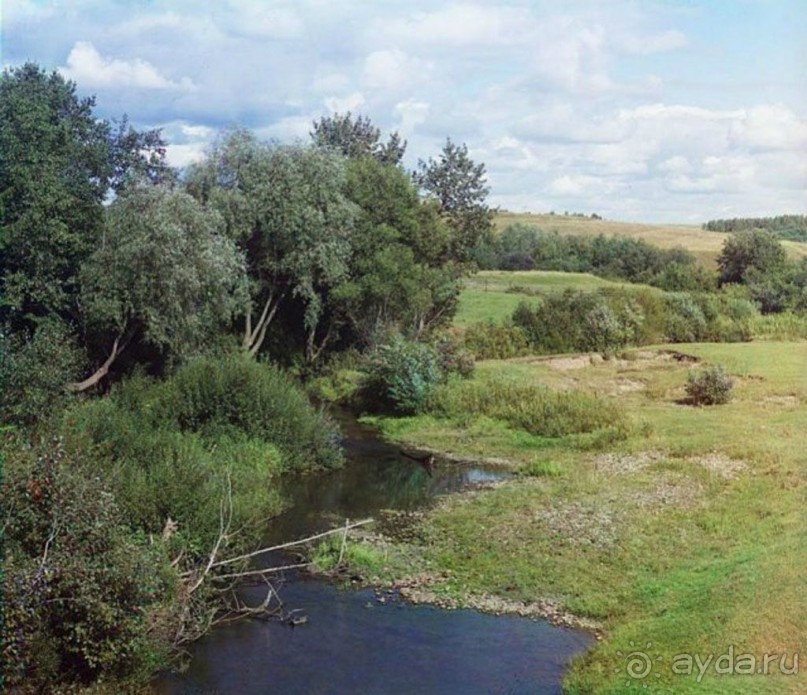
(103, 370)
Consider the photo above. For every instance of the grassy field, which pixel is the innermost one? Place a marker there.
(684, 538)
(493, 295)
(704, 245)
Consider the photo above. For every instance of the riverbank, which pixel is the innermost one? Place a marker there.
(683, 538)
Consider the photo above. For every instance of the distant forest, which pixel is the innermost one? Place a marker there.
(788, 227)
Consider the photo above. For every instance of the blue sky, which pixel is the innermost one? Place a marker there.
(652, 110)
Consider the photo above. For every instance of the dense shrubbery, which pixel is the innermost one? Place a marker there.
(534, 409)
(402, 375)
(34, 371)
(608, 320)
(496, 341)
(85, 597)
(173, 448)
(522, 247)
(710, 386)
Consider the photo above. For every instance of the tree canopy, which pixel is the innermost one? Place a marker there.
(58, 163)
(357, 137)
(459, 186)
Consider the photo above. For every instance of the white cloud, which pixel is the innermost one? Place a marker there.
(411, 113)
(88, 67)
(350, 102)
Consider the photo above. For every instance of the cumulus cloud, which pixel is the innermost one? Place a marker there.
(616, 108)
(88, 67)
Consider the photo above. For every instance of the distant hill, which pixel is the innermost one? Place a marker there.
(705, 245)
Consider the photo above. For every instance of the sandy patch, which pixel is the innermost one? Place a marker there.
(721, 464)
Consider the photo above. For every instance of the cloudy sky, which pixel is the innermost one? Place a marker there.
(651, 110)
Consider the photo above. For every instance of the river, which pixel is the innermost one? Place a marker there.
(353, 643)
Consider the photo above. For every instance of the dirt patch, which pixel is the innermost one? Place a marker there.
(668, 491)
(721, 464)
(580, 524)
(625, 464)
(563, 364)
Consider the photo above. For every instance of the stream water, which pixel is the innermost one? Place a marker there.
(353, 643)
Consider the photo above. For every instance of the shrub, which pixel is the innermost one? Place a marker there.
(496, 341)
(35, 371)
(402, 375)
(452, 357)
(86, 599)
(242, 395)
(710, 386)
(604, 321)
(532, 408)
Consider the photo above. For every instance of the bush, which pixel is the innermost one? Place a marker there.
(496, 341)
(534, 409)
(173, 449)
(86, 599)
(237, 394)
(711, 386)
(576, 321)
(35, 371)
(452, 357)
(402, 375)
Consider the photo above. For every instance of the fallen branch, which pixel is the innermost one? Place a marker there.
(290, 544)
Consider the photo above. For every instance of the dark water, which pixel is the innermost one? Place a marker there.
(351, 642)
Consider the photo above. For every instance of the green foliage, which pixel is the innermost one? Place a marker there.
(602, 321)
(608, 319)
(165, 271)
(495, 341)
(357, 138)
(452, 356)
(524, 247)
(34, 371)
(402, 375)
(786, 227)
(58, 161)
(748, 251)
(85, 598)
(709, 386)
(459, 186)
(218, 427)
(286, 208)
(534, 409)
(238, 394)
(397, 277)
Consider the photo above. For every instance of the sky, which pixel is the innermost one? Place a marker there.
(637, 110)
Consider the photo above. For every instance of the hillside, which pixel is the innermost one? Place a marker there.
(704, 245)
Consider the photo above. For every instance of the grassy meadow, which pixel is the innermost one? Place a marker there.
(677, 530)
(704, 245)
(685, 532)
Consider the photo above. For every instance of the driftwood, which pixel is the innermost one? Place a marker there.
(221, 575)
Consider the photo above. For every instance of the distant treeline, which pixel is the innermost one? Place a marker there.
(524, 247)
(789, 227)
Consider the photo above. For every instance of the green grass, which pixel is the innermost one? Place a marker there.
(688, 534)
(493, 295)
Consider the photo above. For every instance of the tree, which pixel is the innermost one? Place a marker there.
(396, 275)
(164, 273)
(357, 138)
(58, 163)
(747, 251)
(459, 187)
(285, 206)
